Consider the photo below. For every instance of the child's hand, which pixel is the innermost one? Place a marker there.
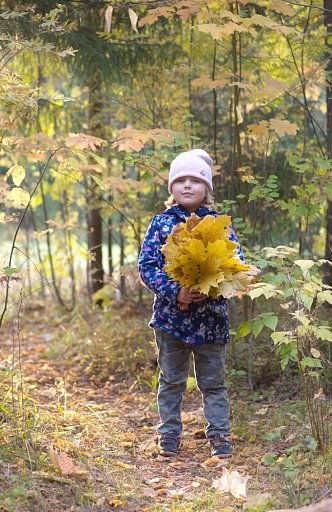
(185, 296)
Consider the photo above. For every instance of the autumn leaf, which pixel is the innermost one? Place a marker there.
(239, 115)
(186, 9)
(208, 82)
(283, 127)
(154, 14)
(282, 7)
(134, 145)
(9, 271)
(123, 465)
(119, 183)
(230, 28)
(133, 19)
(84, 141)
(272, 89)
(233, 482)
(116, 502)
(242, 85)
(66, 53)
(320, 394)
(131, 139)
(260, 129)
(228, 14)
(17, 172)
(64, 464)
(212, 29)
(108, 18)
(212, 229)
(305, 266)
(200, 255)
(221, 32)
(19, 196)
(45, 139)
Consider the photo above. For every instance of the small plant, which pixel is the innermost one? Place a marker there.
(289, 470)
(298, 286)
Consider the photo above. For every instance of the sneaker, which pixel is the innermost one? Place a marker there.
(168, 444)
(220, 446)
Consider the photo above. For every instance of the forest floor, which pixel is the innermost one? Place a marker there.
(78, 427)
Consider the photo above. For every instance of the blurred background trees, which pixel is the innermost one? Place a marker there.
(97, 100)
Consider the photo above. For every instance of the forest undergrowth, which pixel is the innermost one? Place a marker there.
(78, 416)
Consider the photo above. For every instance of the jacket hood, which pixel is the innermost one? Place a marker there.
(182, 213)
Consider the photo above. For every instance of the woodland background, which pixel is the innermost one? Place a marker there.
(97, 98)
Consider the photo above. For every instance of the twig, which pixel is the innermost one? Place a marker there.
(5, 307)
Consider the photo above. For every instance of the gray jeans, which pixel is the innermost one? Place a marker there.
(209, 363)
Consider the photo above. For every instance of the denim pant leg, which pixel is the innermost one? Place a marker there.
(174, 362)
(210, 370)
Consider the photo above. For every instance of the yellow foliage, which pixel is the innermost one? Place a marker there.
(199, 255)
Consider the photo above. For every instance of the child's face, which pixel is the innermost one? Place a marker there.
(189, 192)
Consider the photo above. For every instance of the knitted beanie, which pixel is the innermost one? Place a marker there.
(195, 163)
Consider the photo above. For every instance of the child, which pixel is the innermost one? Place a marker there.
(202, 329)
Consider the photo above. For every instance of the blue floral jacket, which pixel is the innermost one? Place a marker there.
(201, 323)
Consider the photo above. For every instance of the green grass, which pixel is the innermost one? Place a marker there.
(75, 395)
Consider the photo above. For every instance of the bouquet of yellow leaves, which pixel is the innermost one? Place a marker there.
(199, 255)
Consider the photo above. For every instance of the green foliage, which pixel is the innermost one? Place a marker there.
(256, 325)
(305, 338)
(289, 470)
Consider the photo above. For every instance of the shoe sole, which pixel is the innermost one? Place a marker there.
(167, 454)
(223, 456)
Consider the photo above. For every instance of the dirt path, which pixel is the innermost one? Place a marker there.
(109, 431)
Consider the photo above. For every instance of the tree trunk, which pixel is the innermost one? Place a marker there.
(95, 243)
(94, 216)
(122, 259)
(95, 248)
(328, 245)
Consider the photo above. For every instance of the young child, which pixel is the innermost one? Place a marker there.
(202, 329)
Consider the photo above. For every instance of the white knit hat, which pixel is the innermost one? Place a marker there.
(195, 163)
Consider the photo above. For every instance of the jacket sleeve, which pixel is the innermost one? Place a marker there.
(238, 250)
(151, 264)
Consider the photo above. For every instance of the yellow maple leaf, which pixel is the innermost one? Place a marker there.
(260, 129)
(283, 127)
(279, 6)
(200, 255)
(208, 82)
(211, 229)
(200, 267)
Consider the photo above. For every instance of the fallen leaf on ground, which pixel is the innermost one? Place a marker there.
(65, 465)
(213, 461)
(261, 411)
(233, 482)
(128, 436)
(200, 433)
(123, 465)
(257, 499)
(148, 446)
(188, 417)
(115, 502)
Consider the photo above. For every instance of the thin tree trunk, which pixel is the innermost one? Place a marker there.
(40, 259)
(95, 239)
(328, 243)
(49, 248)
(110, 246)
(95, 247)
(122, 259)
(69, 251)
(328, 246)
(238, 162)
